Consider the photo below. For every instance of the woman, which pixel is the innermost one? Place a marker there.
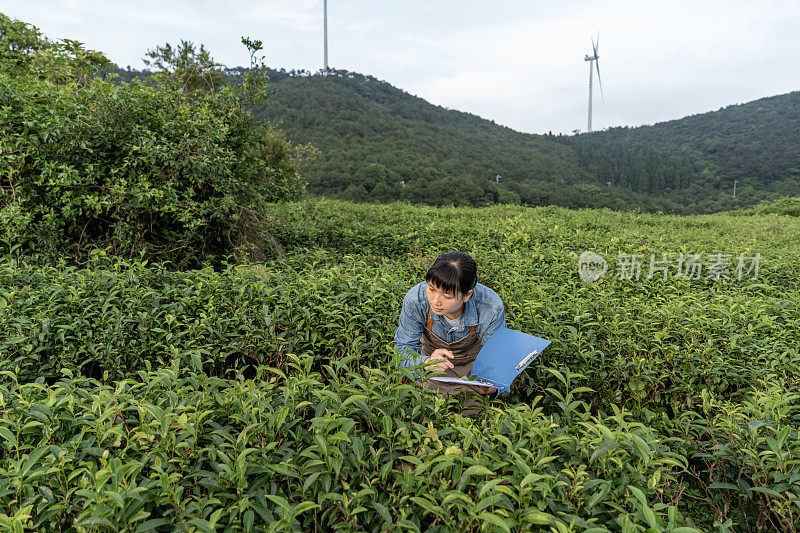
(446, 319)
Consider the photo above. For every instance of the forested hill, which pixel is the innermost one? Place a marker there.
(379, 143)
(756, 144)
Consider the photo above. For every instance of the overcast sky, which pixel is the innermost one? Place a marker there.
(519, 63)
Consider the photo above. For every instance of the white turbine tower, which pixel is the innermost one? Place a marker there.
(596, 59)
(325, 26)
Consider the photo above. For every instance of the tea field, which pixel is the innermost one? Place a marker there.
(267, 397)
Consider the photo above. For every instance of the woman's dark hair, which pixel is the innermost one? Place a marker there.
(453, 272)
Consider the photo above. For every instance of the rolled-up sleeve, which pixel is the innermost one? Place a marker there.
(409, 329)
(497, 320)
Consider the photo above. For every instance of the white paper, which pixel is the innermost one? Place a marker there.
(459, 381)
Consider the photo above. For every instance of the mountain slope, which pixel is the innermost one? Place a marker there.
(380, 143)
(756, 144)
(375, 137)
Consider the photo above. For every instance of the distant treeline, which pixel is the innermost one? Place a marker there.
(379, 143)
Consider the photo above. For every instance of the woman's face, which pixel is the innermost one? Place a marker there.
(443, 303)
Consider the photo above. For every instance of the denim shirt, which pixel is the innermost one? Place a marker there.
(484, 310)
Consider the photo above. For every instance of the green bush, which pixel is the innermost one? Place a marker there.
(784, 206)
(661, 403)
(747, 456)
(299, 450)
(137, 169)
(696, 334)
(127, 316)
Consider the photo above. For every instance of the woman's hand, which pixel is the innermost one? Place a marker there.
(484, 390)
(442, 358)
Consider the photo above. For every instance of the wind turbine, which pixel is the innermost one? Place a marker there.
(596, 59)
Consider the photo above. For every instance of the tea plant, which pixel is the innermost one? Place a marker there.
(268, 396)
(295, 450)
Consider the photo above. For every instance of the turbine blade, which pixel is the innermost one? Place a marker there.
(597, 45)
(597, 64)
(594, 49)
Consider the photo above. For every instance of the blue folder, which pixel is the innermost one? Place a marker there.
(504, 356)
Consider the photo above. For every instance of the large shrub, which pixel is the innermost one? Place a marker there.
(783, 206)
(141, 169)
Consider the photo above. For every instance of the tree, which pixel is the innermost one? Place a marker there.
(25, 51)
(191, 68)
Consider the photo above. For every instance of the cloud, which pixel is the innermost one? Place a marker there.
(519, 63)
(300, 15)
(416, 40)
(667, 60)
(362, 26)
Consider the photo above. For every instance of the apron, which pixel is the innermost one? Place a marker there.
(465, 351)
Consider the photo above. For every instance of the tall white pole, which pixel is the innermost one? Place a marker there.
(589, 129)
(326, 35)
